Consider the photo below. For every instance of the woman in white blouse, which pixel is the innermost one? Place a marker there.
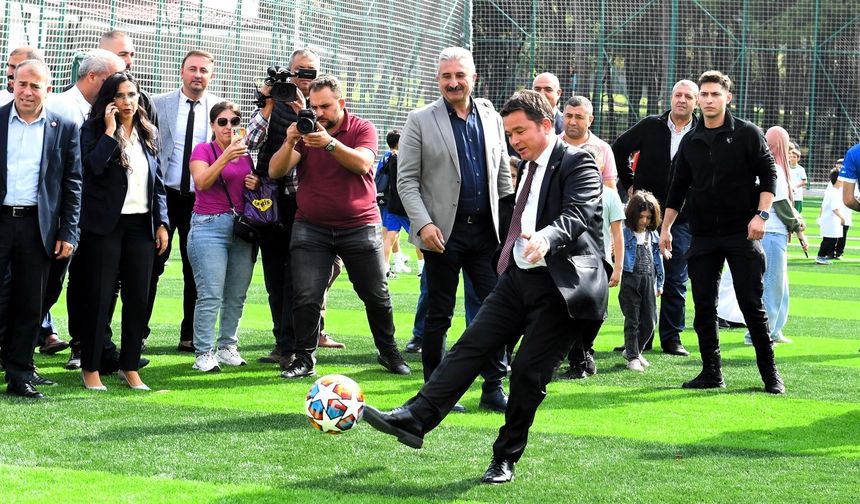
(123, 225)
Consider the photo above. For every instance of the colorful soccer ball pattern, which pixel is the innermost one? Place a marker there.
(334, 404)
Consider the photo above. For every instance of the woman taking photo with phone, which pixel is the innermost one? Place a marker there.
(123, 225)
(222, 262)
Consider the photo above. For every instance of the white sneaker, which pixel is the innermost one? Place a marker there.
(229, 355)
(782, 339)
(401, 257)
(420, 267)
(206, 363)
(643, 361)
(635, 365)
(401, 267)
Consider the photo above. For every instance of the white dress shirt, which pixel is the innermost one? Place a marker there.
(677, 136)
(70, 104)
(24, 159)
(5, 96)
(173, 173)
(136, 201)
(529, 217)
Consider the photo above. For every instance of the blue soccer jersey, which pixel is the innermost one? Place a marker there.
(850, 165)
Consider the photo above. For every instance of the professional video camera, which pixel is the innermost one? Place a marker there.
(282, 89)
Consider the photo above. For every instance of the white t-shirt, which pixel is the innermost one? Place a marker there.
(773, 224)
(798, 174)
(830, 225)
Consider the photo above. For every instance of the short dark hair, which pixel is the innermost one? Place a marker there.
(834, 175)
(640, 202)
(329, 81)
(716, 77)
(304, 51)
(580, 101)
(533, 104)
(197, 52)
(393, 138)
(221, 107)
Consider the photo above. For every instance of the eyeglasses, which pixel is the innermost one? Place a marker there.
(119, 96)
(234, 121)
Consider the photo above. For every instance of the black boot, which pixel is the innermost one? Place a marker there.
(767, 368)
(711, 375)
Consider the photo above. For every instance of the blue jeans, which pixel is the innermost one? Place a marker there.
(313, 249)
(222, 265)
(672, 302)
(775, 296)
(472, 305)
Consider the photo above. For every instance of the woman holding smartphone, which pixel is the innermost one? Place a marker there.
(123, 224)
(222, 262)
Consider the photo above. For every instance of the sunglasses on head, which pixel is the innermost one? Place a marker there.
(234, 121)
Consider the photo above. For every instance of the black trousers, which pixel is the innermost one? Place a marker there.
(586, 332)
(53, 289)
(23, 255)
(275, 252)
(523, 303)
(179, 208)
(840, 243)
(705, 264)
(125, 254)
(470, 247)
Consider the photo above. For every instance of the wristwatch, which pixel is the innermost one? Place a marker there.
(764, 214)
(331, 145)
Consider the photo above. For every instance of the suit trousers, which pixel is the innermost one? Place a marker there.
(53, 289)
(470, 248)
(179, 208)
(23, 255)
(275, 254)
(674, 298)
(747, 262)
(125, 254)
(524, 302)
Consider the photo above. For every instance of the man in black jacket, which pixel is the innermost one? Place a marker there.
(715, 172)
(657, 138)
(552, 272)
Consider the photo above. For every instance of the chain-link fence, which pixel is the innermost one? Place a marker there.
(384, 51)
(794, 63)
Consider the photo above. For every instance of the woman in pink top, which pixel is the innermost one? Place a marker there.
(222, 262)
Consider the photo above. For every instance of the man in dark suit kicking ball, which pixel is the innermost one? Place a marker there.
(552, 283)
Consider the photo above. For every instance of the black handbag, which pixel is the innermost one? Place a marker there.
(242, 226)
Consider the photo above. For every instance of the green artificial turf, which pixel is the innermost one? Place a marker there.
(241, 435)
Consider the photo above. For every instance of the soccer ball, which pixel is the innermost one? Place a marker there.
(334, 404)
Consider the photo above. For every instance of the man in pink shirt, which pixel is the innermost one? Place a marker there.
(336, 215)
(578, 116)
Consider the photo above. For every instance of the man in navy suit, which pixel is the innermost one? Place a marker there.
(40, 189)
(552, 285)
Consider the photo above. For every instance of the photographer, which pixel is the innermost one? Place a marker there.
(266, 132)
(336, 215)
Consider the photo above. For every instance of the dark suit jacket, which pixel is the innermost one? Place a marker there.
(59, 199)
(570, 216)
(106, 183)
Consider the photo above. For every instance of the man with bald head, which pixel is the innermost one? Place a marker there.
(657, 138)
(17, 55)
(547, 84)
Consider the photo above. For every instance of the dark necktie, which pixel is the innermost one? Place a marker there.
(516, 226)
(185, 184)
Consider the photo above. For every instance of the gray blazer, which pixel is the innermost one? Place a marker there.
(428, 172)
(167, 107)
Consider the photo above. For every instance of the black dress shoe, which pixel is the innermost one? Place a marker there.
(298, 369)
(41, 380)
(25, 389)
(399, 423)
(573, 373)
(495, 401)
(394, 363)
(618, 349)
(707, 379)
(500, 471)
(274, 357)
(458, 408)
(53, 347)
(142, 363)
(414, 345)
(185, 347)
(676, 349)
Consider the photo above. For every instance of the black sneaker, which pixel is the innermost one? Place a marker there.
(298, 369)
(394, 362)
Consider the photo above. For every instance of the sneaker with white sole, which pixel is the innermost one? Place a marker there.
(643, 361)
(401, 267)
(635, 365)
(781, 339)
(229, 355)
(206, 363)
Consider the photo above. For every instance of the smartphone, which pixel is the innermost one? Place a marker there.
(237, 133)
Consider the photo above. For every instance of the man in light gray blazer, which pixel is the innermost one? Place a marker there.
(453, 169)
(183, 123)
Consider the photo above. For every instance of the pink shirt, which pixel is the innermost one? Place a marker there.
(214, 200)
(610, 172)
(329, 195)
